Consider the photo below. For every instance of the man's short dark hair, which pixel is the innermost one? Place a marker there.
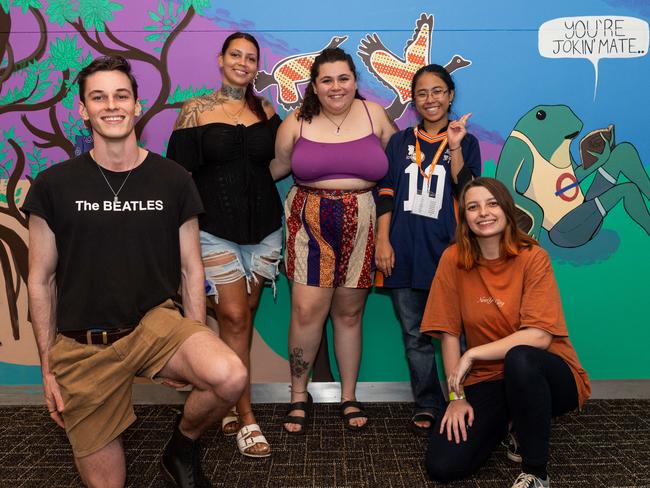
(106, 63)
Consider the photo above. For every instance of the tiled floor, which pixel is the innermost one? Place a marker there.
(607, 445)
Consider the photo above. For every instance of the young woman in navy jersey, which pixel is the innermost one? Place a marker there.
(428, 165)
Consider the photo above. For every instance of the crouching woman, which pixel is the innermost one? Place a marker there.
(496, 285)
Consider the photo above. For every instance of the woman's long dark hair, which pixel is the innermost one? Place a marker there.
(311, 105)
(254, 102)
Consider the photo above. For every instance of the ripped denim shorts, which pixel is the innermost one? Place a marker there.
(235, 261)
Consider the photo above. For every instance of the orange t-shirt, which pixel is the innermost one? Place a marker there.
(493, 300)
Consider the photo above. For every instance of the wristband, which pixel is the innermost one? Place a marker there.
(453, 396)
(454, 149)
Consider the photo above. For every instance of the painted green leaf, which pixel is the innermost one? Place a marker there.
(152, 37)
(61, 11)
(198, 5)
(5, 5)
(180, 95)
(95, 13)
(25, 4)
(35, 97)
(68, 100)
(64, 53)
(154, 16)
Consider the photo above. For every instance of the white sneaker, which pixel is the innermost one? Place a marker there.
(526, 480)
(512, 447)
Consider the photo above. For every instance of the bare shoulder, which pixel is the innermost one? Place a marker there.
(193, 108)
(291, 121)
(289, 130)
(378, 113)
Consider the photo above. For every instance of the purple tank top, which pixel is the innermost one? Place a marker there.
(363, 158)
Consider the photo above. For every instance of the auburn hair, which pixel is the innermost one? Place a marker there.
(513, 239)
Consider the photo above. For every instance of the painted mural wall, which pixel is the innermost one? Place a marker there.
(558, 92)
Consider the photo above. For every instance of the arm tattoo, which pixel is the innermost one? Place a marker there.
(189, 116)
(297, 366)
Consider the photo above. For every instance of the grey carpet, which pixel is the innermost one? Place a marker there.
(608, 445)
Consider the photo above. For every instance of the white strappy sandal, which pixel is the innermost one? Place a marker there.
(246, 440)
(227, 427)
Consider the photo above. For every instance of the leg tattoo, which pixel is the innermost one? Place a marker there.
(297, 366)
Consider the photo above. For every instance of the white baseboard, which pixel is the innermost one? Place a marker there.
(152, 394)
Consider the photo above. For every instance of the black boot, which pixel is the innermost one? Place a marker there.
(181, 462)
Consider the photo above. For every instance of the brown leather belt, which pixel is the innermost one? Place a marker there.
(101, 337)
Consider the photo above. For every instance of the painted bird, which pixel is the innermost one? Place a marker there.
(290, 72)
(396, 73)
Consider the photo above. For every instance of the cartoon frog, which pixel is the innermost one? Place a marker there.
(537, 166)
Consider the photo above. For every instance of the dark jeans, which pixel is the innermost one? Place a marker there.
(537, 386)
(420, 353)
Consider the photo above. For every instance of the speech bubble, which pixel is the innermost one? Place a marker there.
(594, 37)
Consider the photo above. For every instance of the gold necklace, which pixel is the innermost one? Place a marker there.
(235, 116)
(338, 126)
(116, 193)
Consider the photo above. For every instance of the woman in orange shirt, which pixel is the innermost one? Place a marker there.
(496, 285)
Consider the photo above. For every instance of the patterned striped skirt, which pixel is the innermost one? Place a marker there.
(330, 237)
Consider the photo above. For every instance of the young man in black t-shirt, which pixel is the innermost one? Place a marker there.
(112, 235)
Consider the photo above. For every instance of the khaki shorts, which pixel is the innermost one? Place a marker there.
(96, 380)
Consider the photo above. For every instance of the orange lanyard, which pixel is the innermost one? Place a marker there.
(436, 157)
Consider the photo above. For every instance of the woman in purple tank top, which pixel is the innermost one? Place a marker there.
(334, 145)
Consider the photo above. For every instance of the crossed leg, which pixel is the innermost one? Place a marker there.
(218, 377)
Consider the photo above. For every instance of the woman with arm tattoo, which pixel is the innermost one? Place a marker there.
(226, 140)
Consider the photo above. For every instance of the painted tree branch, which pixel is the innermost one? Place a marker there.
(53, 139)
(17, 246)
(60, 138)
(129, 52)
(6, 72)
(160, 102)
(19, 106)
(12, 299)
(12, 183)
(5, 32)
(39, 51)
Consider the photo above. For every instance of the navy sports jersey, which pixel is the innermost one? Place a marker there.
(418, 241)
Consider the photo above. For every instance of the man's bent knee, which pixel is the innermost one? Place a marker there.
(231, 380)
